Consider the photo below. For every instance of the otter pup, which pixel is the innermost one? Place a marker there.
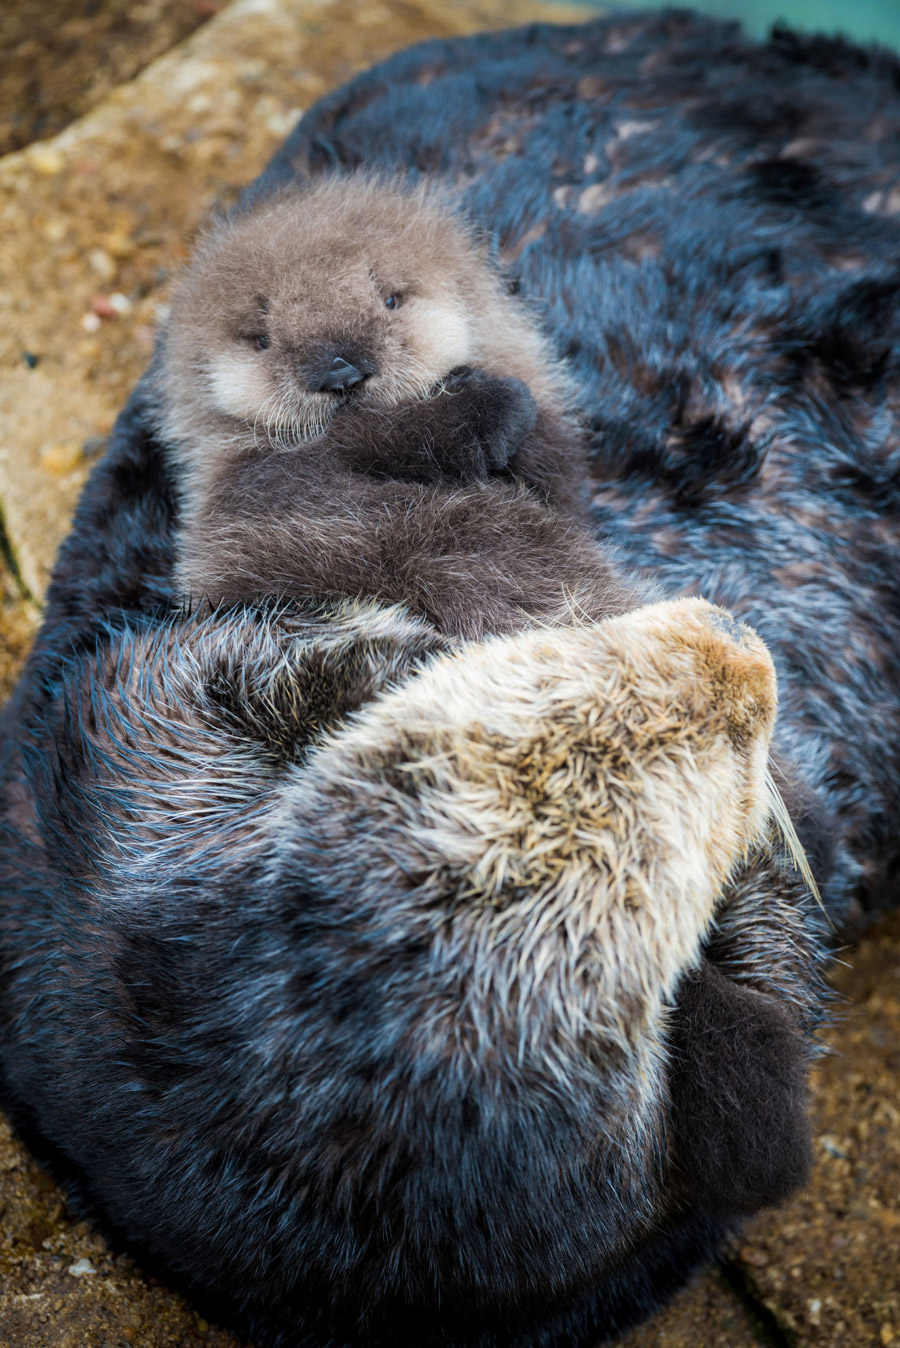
(356, 405)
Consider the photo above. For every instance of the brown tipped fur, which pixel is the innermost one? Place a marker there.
(448, 478)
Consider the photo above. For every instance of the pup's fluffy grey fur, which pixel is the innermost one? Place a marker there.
(357, 406)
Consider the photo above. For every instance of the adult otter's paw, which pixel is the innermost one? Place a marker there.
(738, 1083)
(742, 1037)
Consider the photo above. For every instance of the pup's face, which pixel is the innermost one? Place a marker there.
(361, 293)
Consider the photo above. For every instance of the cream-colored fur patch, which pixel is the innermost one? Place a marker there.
(237, 383)
(441, 334)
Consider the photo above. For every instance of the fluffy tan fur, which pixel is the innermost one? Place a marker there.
(449, 476)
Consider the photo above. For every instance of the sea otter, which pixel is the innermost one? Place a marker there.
(424, 999)
(721, 279)
(356, 405)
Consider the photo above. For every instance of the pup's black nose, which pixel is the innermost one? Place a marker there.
(341, 376)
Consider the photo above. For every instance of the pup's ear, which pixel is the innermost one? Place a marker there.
(738, 1083)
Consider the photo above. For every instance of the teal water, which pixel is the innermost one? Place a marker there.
(865, 20)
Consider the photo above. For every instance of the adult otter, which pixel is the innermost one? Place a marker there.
(377, 1043)
(340, 368)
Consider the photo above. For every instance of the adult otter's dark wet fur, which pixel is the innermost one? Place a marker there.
(327, 434)
(334, 1033)
(723, 283)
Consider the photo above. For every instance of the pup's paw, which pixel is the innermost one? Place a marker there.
(498, 413)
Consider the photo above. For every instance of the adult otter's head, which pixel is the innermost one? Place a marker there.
(517, 862)
(347, 289)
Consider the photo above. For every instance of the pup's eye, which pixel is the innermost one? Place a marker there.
(392, 302)
(259, 341)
